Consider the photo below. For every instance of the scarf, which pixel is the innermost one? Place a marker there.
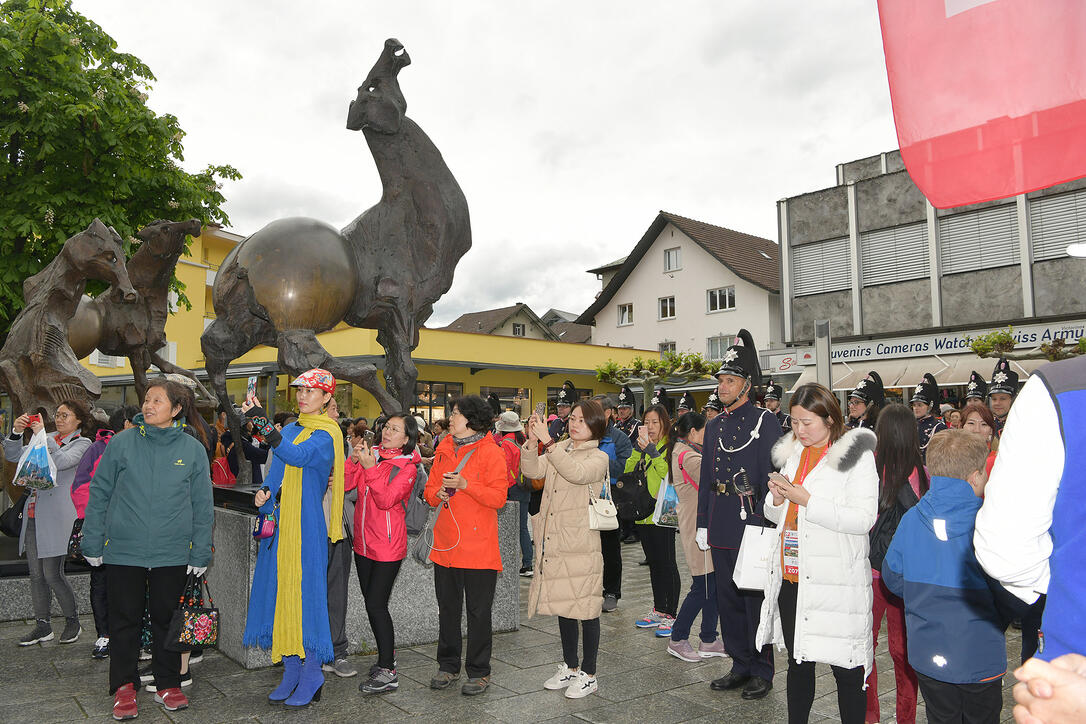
(287, 629)
(461, 442)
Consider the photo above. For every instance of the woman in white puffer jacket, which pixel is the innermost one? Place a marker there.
(818, 593)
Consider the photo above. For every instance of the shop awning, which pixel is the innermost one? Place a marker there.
(847, 375)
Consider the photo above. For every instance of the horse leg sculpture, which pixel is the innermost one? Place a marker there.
(168, 367)
(299, 351)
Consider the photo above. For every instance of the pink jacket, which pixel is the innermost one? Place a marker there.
(380, 533)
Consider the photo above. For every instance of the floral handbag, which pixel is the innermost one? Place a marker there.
(193, 626)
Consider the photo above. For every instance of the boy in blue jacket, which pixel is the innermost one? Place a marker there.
(954, 614)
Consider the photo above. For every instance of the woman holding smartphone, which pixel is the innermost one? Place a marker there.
(818, 598)
(468, 483)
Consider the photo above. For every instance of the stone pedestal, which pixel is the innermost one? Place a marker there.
(413, 605)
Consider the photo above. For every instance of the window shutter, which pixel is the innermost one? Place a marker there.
(894, 255)
(1055, 222)
(979, 240)
(821, 267)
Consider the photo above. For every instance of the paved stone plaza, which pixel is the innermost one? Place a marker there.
(639, 681)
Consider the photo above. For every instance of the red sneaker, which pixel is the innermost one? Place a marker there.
(124, 703)
(172, 699)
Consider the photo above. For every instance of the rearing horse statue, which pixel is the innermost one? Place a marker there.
(298, 277)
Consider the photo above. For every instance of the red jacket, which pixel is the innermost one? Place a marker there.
(468, 526)
(379, 530)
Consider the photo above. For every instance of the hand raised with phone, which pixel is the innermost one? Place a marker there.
(364, 455)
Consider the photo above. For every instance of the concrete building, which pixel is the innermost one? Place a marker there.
(688, 286)
(905, 285)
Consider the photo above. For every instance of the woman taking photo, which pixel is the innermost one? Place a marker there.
(151, 501)
(684, 455)
(380, 538)
(469, 481)
(650, 450)
(48, 518)
(288, 604)
(818, 592)
(902, 481)
(568, 580)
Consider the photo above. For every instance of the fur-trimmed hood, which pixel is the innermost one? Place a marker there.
(842, 455)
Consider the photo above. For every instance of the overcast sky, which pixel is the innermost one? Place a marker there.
(569, 125)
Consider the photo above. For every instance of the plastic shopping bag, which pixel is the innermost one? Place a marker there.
(752, 563)
(666, 513)
(36, 470)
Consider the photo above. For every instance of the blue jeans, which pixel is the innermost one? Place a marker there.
(702, 597)
(521, 496)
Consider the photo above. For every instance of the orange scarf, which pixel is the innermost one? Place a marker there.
(808, 460)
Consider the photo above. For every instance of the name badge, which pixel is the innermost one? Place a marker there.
(790, 548)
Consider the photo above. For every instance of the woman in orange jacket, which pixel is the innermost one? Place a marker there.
(469, 480)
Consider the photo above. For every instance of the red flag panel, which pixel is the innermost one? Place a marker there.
(989, 96)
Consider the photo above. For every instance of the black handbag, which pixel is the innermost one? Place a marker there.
(886, 525)
(631, 495)
(11, 520)
(194, 625)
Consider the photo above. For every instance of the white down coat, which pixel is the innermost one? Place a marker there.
(833, 607)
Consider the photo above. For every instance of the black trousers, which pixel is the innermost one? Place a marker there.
(962, 703)
(376, 579)
(739, 612)
(567, 628)
(125, 590)
(456, 587)
(851, 698)
(99, 598)
(659, 546)
(1031, 625)
(339, 571)
(611, 547)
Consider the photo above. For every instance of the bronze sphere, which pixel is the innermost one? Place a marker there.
(301, 271)
(85, 328)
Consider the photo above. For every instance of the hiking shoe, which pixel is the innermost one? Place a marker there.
(101, 648)
(610, 603)
(714, 649)
(582, 686)
(172, 699)
(42, 631)
(527, 572)
(341, 668)
(380, 681)
(443, 679)
(683, 650)
(196, 657)
(561, 678)
(186, 680)
(651, 620)
(124, 703)
(475, 686)
(664, 629)
(71, 632)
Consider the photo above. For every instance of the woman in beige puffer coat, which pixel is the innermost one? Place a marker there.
(568, 565)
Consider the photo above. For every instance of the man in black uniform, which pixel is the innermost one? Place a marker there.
(713, 407)
(735, 467)
(772, 397)
(1001, 393)
(865, 402)
(977, 389)
(626, 420)
(924, 401)
(686, 404)
(566, 397)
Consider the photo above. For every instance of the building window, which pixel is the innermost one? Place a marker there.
(625, 315)
(896, 254)
(667, 308)
(511, 398)
(666, 347)
(982, 239)
(432, 398)
(720, 300)
(672, 260)
(717, 346)
(821, 267)
(518, 330)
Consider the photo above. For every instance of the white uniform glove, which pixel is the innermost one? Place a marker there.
(702, 538)
(197, 570)
(94, 560)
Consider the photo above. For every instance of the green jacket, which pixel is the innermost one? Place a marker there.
(150, 500)
(655, 468)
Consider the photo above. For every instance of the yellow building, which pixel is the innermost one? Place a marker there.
(520, 371)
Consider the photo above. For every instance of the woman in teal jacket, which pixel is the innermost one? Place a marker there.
(649, 449)
(149, 521)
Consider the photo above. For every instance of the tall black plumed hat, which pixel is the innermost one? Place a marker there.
(686, 402)
(773, 391)
(741, 360)
(870, 389)
(977, 389)
(567, 395)
(927, 391)
(625, 397)
(1004, 379)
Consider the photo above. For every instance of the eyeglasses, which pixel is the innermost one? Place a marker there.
(63, 415)
(456, 412)
(390, 428)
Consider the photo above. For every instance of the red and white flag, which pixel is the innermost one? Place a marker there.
(989, 96)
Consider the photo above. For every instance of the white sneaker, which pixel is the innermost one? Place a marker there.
(581, 686)
(563, 678)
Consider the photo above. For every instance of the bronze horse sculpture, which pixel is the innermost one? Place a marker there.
(37, 365)
(298, 277)
(138, 331)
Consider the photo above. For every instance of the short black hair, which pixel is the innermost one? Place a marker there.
(478, 413)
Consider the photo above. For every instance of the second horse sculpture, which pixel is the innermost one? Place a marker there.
(298, 277)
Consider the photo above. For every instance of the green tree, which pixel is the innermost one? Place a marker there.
(79, 142)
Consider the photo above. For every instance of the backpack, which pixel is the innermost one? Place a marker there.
(886, 525)
(512, 458)
(221, 474)
(631, 495)
(416, 510)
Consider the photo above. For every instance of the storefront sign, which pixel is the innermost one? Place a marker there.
(1027, 337)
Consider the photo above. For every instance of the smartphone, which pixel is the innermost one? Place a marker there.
(450, 491)
(368, 436)
(541, 411)
(642, 430)
(250, 389)
(779, 479)
(30, 419)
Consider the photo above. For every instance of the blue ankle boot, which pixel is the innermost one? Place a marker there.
(310, 683)
(292, 671)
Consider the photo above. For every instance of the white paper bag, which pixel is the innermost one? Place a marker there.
(752, 564)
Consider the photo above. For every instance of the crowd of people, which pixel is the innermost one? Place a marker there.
(801, 528)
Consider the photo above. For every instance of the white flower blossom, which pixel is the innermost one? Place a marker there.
(74, 42)
(173, 204)
(100, 94)
(23, 107)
